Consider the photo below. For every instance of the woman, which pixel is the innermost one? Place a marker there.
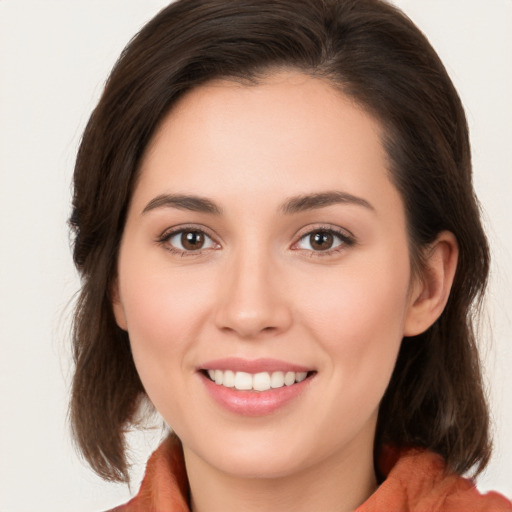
(281, 251)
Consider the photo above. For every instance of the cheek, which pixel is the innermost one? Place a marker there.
(358, 316)
(164, 311)
(159, 314)
(164, 316)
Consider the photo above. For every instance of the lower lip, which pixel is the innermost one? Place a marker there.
(254, 403)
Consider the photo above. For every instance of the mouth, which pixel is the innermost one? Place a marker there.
(256, 387)
(257, 382)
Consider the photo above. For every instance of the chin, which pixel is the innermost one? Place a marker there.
(253, 455)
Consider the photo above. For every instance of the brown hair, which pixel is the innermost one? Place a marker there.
(373, 53)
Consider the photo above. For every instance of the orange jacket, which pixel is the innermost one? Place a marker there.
(415, 482)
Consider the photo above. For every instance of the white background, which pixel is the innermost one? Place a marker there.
(54, 58)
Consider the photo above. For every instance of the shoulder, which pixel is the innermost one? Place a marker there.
(165, 484)
(418, 481)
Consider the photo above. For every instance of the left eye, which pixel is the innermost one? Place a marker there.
(321, 240)
(190, 240)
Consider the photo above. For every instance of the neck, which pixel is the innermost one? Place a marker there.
(338, 484)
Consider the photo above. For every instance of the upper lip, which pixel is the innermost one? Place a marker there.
(238, 364)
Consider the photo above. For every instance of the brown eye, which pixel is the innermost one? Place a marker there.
(321, 241)
(189, 240)
(324, 240)
(192, 240)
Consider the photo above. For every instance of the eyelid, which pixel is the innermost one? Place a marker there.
(170, 232)
(346, 237)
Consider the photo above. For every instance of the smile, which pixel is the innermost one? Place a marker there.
(262, 381)
(255, 387)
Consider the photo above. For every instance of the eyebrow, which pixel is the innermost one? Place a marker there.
(292, 205)
(322, 200)
(183, 202)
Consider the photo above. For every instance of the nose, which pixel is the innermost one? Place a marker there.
(252, 301)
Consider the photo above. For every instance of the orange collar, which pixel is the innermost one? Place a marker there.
(416, 481)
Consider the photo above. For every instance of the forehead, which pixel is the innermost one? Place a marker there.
(290, 131)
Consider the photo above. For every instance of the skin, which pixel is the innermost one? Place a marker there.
(258, 288)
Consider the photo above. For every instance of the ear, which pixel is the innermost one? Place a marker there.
(430, 291)
(117, 306)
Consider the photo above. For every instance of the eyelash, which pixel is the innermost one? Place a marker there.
(166, 236)
(346, 240)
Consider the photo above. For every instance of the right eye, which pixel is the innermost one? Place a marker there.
(188, 241)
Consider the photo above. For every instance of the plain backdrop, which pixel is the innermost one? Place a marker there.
(54, 59)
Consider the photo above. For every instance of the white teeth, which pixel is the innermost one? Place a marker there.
(229, 379)
(299, 376)
(277, 380)
(243, 381)
(262, 381)
(289, 378)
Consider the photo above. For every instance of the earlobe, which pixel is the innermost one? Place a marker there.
(117, 306)
(431, 290)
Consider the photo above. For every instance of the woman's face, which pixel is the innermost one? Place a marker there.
(265, 245)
